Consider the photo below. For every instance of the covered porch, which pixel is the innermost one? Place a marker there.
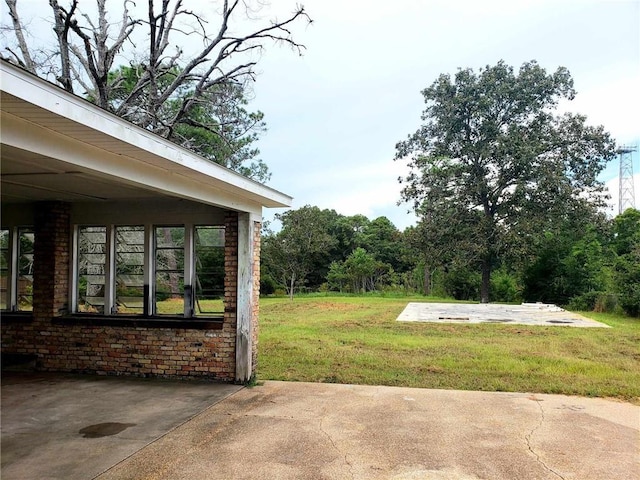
(122, 253)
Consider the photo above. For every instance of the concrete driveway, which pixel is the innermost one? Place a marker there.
(284, 430)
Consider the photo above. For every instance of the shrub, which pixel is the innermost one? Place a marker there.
(267, 285)
(504, 287)
(627, 280)
(462, 284)
(594, 302)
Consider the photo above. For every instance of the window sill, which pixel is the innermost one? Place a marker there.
(210, 323)
(16, 317)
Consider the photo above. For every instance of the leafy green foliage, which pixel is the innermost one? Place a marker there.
(217, 126)
(493, 159)
(291, 253)
(357, 254)
(627, 264)
(505, 287)
(461, 283)
(573, 261)
(568, 263)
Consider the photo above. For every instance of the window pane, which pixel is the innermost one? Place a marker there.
(130, 269)
(169, 270)
(209, 270)
(92, 246)
(25, 269)
(5, 260)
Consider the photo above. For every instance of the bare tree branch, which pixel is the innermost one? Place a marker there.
(165, 89)
(26, 61)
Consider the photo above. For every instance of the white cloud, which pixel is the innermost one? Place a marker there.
(336, 114)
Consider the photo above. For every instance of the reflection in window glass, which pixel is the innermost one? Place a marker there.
(169, 270)
(209, 270)
(5, 259)
(130, 269)
(92, 247)
(25, 269)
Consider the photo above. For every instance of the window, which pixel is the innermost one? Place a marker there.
(150, 270)
(5, 261)
(16, 269)
(169, 270)
(130, 269)
(92, 262)
(209, 271)
(25, 270)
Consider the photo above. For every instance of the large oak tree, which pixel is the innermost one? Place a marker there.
(493, 148)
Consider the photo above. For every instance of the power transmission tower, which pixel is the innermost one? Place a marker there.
(627, 193)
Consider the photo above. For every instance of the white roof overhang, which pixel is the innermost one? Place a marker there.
(57, 146)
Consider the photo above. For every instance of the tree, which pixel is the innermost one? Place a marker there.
(169, 87)
(224, 106)
(290, 254)
(627, 263)
(383, 240)
(492, 146)
(361, 268)
(626, 231)
(435, 234)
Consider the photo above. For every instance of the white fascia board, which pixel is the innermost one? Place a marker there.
(175, 159)
(25, 135)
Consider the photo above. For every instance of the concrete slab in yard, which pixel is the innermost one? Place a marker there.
(525, 314)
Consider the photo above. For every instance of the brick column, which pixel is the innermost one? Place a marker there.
(52, 251)
(230, 266)
(255, 314)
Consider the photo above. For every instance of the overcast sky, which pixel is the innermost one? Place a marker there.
(335, 114)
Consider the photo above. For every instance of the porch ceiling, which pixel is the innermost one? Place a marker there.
(31, 177)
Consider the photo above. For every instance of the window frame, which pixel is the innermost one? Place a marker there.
(149, 269)
(196, 278)
(14, 254)
(116, 265)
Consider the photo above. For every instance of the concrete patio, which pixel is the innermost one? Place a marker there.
(74, 427)
(58, 426)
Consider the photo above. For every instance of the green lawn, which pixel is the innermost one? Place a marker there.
(357, 340)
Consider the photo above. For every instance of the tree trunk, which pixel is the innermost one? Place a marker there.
(293, 281)
(427, 280)
(486, 281)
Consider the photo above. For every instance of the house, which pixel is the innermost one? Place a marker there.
(121, 252)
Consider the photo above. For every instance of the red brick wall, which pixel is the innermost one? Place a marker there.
(51, 249)
(117, 350)
(162, 352)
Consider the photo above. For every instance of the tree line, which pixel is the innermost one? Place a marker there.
(506, 188)
(584, 262)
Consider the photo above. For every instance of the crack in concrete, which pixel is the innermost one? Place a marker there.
(335, 447)
(530, 434)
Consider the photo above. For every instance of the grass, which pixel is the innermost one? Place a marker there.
(356, 340)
